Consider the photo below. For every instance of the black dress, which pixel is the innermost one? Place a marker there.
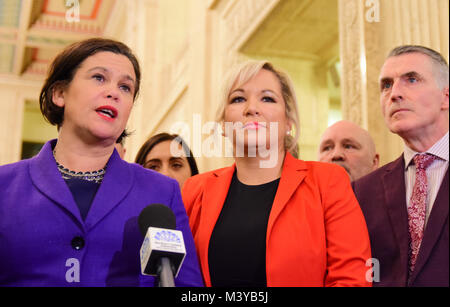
(237, 248)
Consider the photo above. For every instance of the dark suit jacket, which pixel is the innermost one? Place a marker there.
(382, 196)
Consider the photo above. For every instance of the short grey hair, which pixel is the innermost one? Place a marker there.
(437, 59)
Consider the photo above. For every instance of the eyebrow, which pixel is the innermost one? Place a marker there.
(128, 77)
(263, 91)
(349, 140)
(270, 91)
(346, 140)
(152, 161)
(408, 74)
(157, 160)
(325, 143)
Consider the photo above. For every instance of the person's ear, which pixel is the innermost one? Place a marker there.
(58, 92)
(289, 126)
(445, 103)
(376, 161)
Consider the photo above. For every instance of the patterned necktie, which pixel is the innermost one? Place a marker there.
(417, 208)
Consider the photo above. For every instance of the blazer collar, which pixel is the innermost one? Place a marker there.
(216, 191)
(292, 175)
(47, 179)
(116, 184)
(393, 181)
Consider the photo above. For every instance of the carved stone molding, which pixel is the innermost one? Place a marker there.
(242, 17)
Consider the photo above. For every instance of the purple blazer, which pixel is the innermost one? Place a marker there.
(40, 223)
(382, 196)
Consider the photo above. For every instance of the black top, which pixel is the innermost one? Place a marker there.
(237, 248)
(83, 192)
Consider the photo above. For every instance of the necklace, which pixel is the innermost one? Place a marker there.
(95, 176)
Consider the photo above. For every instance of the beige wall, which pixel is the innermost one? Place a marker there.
(35, 128)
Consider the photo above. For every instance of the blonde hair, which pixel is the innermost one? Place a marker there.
(243, 73)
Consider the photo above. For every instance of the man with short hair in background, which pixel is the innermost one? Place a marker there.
(350, 146)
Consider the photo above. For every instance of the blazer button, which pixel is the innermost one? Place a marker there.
(77, 243)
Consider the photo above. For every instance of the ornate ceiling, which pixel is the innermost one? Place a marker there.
(32, 32)
(304, 29)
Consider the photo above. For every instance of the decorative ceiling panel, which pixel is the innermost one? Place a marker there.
(6, 52)
(297, 28)
(10, 13)
(27, 46)
(88, 9)
(93, 15)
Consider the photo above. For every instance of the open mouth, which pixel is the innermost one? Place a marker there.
(107, 112)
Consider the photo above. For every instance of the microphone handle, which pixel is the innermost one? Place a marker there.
(165, 273)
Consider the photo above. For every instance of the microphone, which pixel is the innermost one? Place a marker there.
(163, 250)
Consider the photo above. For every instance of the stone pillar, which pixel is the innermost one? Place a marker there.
(13, 94)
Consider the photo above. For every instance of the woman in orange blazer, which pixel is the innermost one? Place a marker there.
(270, 219)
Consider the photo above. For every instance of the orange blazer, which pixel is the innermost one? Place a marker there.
(316, 235)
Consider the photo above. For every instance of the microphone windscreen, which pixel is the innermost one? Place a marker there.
(156, 215)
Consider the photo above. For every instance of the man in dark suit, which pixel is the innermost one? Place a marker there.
(406, 202)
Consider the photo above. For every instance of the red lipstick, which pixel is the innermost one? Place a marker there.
(108, 113)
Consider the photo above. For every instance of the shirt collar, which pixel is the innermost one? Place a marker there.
(439, 149)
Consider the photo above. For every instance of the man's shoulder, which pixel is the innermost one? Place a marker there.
(372, 178)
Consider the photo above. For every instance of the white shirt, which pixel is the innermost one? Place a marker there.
(435, 172)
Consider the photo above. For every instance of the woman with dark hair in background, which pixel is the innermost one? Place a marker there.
(169, 155)
(69, 216)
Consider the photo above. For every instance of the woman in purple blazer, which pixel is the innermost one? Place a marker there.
(69, 216)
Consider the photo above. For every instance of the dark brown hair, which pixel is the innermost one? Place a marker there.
(65, 65)
(162, 137)
(122, 137)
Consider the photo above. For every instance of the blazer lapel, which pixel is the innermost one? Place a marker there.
(214, 197)
(292, 175)
(438, 217)
(45, 176)
(395, 194)
(116, 185)
(216, 191)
